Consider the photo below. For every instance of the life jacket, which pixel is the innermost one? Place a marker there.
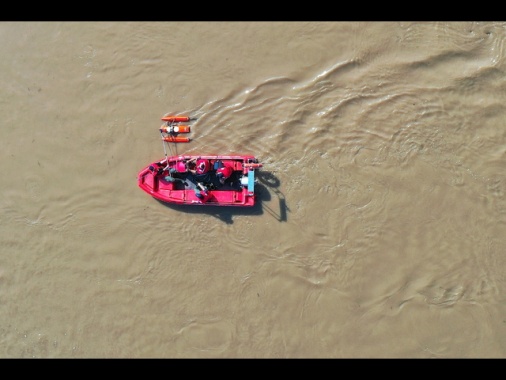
(224, 172)
(203, 166)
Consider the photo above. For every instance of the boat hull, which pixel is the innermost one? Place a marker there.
(164, 180)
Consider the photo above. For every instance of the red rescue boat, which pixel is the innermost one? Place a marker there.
(213, 180)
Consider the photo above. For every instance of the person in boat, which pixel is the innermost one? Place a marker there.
(201, 172)
(180, 167)
(195, 166)
(201, 167)
(223, 173)
(183, 167)
(201, 192)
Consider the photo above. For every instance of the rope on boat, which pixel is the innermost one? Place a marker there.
(165, 151)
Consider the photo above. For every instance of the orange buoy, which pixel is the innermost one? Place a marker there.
(224, 172)
(176, 119)
(176, 139)
(175, 128)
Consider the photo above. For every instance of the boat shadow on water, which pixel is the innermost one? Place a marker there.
(266, 185)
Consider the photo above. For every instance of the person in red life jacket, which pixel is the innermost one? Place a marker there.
(177, 172)
(183, 166)
(180, 167)
(202, 166)
(202, 193)
(223, 173)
